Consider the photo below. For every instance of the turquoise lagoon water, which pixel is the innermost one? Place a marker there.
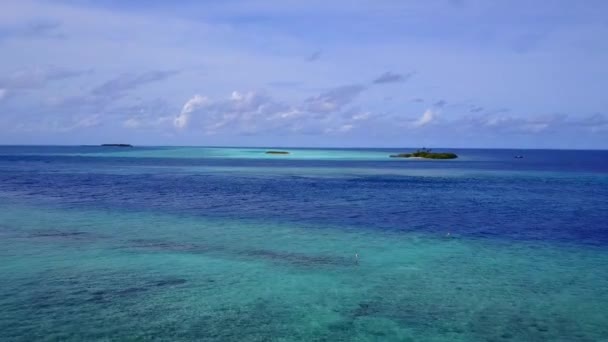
(170, 244)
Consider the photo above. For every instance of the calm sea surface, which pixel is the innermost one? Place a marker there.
(231, 244)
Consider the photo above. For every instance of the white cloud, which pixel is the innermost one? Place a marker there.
(427, 117)
(255, 113)
(242, 112)
(183, 119)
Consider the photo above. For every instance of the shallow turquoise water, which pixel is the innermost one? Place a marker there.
(250, 153)
(163, 277)
(95, 250)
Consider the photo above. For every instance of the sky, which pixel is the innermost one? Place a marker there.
(350, 73)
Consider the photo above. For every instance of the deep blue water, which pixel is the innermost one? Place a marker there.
(548, 195)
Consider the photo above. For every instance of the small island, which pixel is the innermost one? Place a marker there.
(277, 152)
(116, 145)
(426, 154)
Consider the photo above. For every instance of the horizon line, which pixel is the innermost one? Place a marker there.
(310, 147)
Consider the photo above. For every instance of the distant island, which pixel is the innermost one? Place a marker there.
(427, 154)
(277, 152)
(116, 145)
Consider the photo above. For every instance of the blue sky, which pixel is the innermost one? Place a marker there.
(453, 73)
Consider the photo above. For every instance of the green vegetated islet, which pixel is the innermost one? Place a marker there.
(427, 154)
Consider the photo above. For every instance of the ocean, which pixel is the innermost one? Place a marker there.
(232, 244)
